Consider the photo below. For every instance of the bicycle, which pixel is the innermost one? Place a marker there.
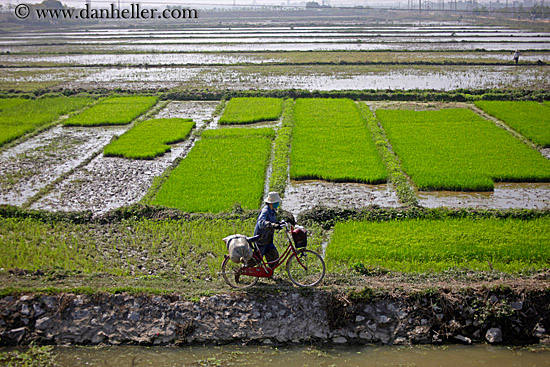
(305, 268)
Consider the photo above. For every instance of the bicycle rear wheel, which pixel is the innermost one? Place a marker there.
(232, 275)
(306, 268)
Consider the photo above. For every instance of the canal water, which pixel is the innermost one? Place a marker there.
(427, 356)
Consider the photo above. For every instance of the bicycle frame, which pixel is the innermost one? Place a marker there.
(264, 270)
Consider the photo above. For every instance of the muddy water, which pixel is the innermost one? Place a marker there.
(299, 356)
(505, 196)
(300, 196)
(317, 78)
(28, 167)
(110, 182)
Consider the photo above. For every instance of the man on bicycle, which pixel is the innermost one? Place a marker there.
(266, 226)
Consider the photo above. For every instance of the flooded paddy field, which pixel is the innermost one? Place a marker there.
(266, 77)
(107, 183)
(300, 196)
(489, 356)
(32, 165)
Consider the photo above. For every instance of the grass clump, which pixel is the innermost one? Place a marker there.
(281, 150)
(330, 141)
(396, 175)
(150, 139)
(20, 117)
(529, 118)
(225, 167)
(113, 111)
(422, 245)
(247, 110)
(456, 149)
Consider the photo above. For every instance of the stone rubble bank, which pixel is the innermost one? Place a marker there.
(274, 319)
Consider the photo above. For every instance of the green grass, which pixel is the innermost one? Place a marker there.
(529, 118)
(510, 245)
(113, 111)
(331, 141)
(189, 248)
(23, 117)
(247, 110)
(150, 139)
(10, 102)
(225, 167)
(456, 149)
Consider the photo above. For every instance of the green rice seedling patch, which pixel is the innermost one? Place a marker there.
(113, 111)
(225, 167)
(150, 139)
(189, 249)
(456, 149)
(510, 245)
(10, 102)
(247, 110)
(529, 118)
(24, 117)
(331, 141)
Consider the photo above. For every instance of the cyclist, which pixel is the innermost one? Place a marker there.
(266, 226)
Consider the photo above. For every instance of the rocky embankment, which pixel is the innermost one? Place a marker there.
(494, 315)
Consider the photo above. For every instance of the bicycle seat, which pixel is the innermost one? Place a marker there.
(253, 238)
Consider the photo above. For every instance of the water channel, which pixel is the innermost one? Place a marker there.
(363, 356)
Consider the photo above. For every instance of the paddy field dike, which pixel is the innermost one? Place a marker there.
(416, 154)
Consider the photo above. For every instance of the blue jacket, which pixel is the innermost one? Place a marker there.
(266, 232)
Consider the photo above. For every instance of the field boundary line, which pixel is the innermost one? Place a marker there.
(280, 174)
(396, 175)
(503, 125)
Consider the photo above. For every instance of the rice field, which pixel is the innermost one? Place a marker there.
(456, 149)
(251, 110)
(19, 116)
(113, 111)
(509, 245)
(149, 139)
(529, 118)
(331, 141)
(225, 167)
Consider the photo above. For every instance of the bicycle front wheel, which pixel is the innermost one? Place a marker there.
(232, 275)
(306, 268)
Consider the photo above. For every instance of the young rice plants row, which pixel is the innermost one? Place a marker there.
(113, 111)
(531, 119)
(423, 245)
(331, 141)
(225, 167)
(19, 117)
(150, 139)
(456, 149)
(249, 110)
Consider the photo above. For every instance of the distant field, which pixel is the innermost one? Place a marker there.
(225, 167)
(331, 141)
(437, 245)
(19, 116)
(529, 118)
(113, 111)
(250, 110)
(150, 139)
(456, 149)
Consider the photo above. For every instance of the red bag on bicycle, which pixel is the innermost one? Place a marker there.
(299, 236)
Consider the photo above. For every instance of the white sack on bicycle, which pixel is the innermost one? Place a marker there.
(238, 247)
